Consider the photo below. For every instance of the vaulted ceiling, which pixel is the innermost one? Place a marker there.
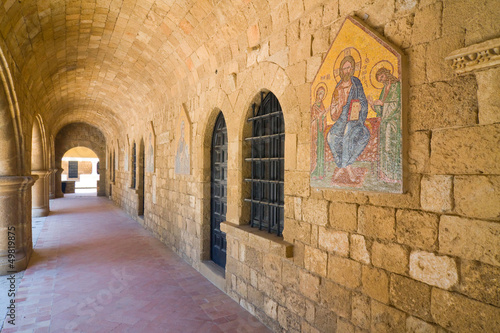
(106, 62)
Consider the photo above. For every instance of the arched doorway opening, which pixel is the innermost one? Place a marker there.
(80, 171)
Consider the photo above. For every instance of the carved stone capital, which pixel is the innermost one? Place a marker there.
(475, 57)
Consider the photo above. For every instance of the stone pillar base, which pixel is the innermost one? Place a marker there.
(15, 225)
(40, 211)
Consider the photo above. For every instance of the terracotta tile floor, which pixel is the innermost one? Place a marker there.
(96, 270)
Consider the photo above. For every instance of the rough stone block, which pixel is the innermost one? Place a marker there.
(411, 296)
(325, 320)
(417, 229)
(458, 313)
(427, 24)
(315, 211)
(375, 283)
(295, 230)
(419, 151)
(443, 104)
(417, 61)
(439, 271)
(392, 257)
(438, 69)
(315, 260)
(309, 285)
(477, 196)
(488, 83)
(344, 271)
(297, 183)
(415, 325)
(480, 281)
(272, 267)
(334, 241)
(359, 250)
(477, 147)
(361, 311)
(378, 222)
(296, 303)
(343, 216)
(336, 298)
(271, 308)
(436, 193)
(399, 31)
(470, 239)
(386, 319)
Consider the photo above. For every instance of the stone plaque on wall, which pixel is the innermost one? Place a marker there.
(183, 143)
(150, 148)
(356, 114)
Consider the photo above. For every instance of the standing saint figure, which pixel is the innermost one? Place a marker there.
(349, 136)
(182, 156)
(388, 107)
(318, 124)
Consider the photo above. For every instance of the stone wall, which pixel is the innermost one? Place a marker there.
(423, 261)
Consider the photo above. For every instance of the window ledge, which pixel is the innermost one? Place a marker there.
(260, 239)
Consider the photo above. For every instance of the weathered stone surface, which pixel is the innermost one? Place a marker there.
(325, 319)
(411, 296)
(477, 147)
(295, 230)
(443, 104)
(361, 311)
(399, 31)
(488, 83)
(417, 229)
(461, 314)
(272, 267)
(477, 19)
(378, 222)
(309, 285)
(439, 271)
(480, 281)
(335, 298)
(477, 196)
(392, 257)
(375, 283)
(315, 211)
(343, 216)
(419, 151)
(334, 241)
(315, 260)
(438, 50)
(386, 318)
(415, 325)
(359, 250)
(436, 193)
(470, 239)
(417, 62)
(344, 271)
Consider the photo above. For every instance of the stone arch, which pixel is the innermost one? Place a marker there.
(270, 78)
(39, 167)
(216, 102)
(12, 160)
(15, 194)
(84, 135)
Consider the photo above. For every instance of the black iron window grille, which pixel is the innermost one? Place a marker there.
(134, 165)
(72, 169)
(267, 165)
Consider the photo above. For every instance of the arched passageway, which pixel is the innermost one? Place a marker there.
(81, 135)
(80, 170)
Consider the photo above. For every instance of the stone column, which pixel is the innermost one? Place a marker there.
(40, 194)
(57, 180)
(15, 225)
(52, 184)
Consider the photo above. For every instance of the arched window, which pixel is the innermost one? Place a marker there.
(267, 165)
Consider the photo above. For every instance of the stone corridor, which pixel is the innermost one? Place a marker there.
(94, 269)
